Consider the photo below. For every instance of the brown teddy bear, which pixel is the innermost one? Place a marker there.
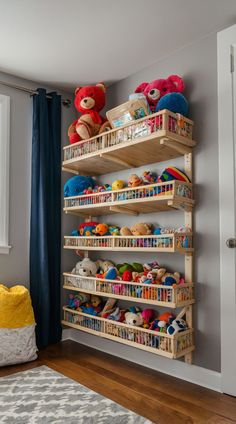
(139, 229)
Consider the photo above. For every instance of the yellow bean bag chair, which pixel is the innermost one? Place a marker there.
(17, 326)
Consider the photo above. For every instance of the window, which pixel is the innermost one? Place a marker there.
(4, 172)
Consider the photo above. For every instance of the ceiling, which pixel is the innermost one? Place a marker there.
(66, 43)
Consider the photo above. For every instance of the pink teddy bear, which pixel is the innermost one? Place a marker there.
(156, 89)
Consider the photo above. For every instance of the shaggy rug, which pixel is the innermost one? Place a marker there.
(42, 396)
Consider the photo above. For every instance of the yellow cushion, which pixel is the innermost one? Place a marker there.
(15, 307)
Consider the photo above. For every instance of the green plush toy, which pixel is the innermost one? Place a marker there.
(134, 267)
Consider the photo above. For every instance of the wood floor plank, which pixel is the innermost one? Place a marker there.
(197, 395)
(160, 398)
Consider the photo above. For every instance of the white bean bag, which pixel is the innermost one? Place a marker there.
(17, 326)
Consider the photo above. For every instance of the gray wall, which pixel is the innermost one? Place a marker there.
(198, 66)
(14, 268)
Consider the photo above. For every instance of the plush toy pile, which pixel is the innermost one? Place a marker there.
(96, 229)
(148, 273)
(165, 94)
(81, 185)
(147, 318)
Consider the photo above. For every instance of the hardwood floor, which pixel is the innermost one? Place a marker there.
(159, 397)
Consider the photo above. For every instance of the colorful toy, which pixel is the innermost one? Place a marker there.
(76, 185)
(101, 230)
(103, 266)
(85, 268)
(168, 317)
(118, 185)
(177, 326)
(89, 101)
(113, 230)
(87, 228)
(171, 173)
(174, 102)
(134, 181)
(159, 88)
(149, 177)
(147, 315)
(141, 229)
(111, 274)
(117, 315)
(75, 301)
(125, 231)
(127, 275)
(133, 318)
(169, 279)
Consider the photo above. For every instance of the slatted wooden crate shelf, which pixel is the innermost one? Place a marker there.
(177, 242)
(158, 137)
(157, 197)
(141, 338)
(153, 294)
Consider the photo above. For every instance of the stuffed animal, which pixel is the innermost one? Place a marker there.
(118, 185)
(134, 181)
(149, 177)
(134, 267)
(101, 230)
(169, 279)
(76, 185)
(177, 326)
(134, 318)
(141, 229)
(147, 315)
(89, 101)
(168, 317)
(87, 228)
(127, 275)
(85, 268)
(175, 102)
(125, 231)
(117, 315)
(111, 274)
(103, 266)
(159, 88)
(76, 300)
(113, 230)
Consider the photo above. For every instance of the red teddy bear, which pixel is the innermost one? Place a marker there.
(89, 101)
(158, 88)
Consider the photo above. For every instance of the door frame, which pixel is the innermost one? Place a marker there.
(226, 41)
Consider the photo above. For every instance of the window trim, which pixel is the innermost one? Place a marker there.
(4, 171)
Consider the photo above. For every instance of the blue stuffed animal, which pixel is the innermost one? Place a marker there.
(175, 102)
(76, 185)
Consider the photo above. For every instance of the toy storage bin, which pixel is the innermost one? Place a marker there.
(164, 121)
(152, 341)
(177, 242)
(155, 294)
(157, 190)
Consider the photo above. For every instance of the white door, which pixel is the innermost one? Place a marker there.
(227, 173)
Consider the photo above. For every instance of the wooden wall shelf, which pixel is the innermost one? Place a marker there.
(107, 152)
(152, 294)
(168, 243)
(151, 198)
(151, 341)
(159, 137)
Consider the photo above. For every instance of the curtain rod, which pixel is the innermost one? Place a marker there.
(65, 102)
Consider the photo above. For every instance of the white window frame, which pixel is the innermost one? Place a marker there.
(4, 172)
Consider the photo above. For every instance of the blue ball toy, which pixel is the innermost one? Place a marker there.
(175, 102)
(76, 185)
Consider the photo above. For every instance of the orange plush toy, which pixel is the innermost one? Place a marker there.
(89, 101)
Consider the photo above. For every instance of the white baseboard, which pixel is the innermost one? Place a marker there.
(66, 334)
(179, 369)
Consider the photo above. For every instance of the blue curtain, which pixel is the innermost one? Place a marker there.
(45, 225)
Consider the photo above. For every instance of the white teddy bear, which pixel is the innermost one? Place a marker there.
(85, 268)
